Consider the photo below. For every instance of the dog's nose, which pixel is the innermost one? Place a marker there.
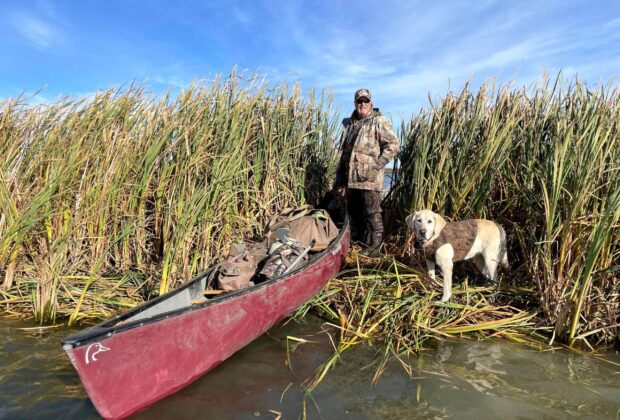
(423, 231)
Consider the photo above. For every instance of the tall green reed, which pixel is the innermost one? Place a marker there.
(128, 182)
(544, 162)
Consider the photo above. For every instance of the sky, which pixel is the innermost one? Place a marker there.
(403, 51)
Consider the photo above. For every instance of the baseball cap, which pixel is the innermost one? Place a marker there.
(362, 93)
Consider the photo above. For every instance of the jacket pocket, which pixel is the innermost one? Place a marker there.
(366, 168)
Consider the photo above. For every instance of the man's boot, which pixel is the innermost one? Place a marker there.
(376, 235)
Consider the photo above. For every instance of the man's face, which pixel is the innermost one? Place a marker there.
(363, 106)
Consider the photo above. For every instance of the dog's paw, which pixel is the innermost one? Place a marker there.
(445, 298)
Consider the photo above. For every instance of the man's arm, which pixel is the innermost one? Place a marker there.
(388, 142)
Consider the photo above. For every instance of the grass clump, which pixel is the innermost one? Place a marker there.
(545, 163)
(397, 306)
(94, 189)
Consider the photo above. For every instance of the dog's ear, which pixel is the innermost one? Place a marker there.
(409, 220)
(440, 223)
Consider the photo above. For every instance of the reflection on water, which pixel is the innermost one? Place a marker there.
(37, 380)
(458, 379)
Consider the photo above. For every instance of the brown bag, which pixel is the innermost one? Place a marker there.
(236, 272)
(317, 227)
(286, 217)
(306, 225)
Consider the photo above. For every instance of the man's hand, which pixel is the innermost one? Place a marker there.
(381, 162)
(340, 193)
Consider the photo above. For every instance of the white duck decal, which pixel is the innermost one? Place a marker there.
(93, 350)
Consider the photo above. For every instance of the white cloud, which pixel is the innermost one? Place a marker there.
(38, 31)
(612, 24)
(513, 54)
(415, 50)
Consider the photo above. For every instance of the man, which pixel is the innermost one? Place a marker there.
(368, 143)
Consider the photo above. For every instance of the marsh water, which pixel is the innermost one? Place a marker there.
(454, 379)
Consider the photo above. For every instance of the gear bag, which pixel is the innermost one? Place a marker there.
(236, 272)
(306, 225)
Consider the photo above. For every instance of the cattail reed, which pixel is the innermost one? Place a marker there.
(109, 200)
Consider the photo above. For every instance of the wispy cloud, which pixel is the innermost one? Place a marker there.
(39, 31)
(412, 50)
(241, 16)
(403, 51)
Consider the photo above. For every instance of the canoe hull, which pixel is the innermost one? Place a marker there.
(127, 370)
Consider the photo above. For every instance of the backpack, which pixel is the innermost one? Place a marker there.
(239, 268)
(236, 272)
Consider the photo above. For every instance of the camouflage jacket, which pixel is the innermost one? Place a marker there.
(367, 146)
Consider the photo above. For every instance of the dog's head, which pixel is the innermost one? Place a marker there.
(425, 224)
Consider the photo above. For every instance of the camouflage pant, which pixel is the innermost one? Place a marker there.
(364, 207)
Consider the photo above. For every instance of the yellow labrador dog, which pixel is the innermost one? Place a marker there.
(445, 243)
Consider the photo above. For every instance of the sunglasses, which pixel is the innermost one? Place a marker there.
(362, 101)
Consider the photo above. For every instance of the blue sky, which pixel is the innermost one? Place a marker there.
(403, 51)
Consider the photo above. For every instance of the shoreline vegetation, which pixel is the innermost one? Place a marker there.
(111, 200)
(108, 201)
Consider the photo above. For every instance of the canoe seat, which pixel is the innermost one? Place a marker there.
(198, 301)
(207, 294)
(212, 292)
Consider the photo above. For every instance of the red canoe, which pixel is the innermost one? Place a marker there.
(143, 355)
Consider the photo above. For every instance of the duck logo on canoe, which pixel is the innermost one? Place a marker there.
(93, 350)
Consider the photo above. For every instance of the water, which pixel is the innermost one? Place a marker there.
(387, 181)
(457, 379)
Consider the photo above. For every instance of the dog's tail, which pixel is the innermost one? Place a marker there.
(502, 255)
